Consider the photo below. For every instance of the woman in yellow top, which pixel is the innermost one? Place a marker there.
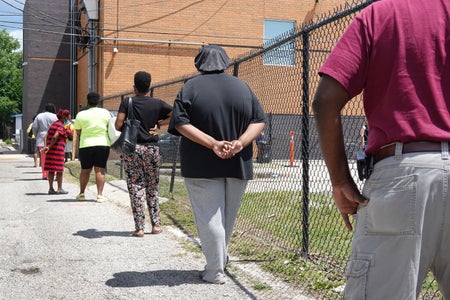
(91, 126)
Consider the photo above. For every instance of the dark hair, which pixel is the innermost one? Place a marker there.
(50, 107)
(93, 98)
(142, 81)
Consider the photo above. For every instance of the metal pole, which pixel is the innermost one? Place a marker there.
(305, 145)
(73, 64)
(91, 57)
(174, 166)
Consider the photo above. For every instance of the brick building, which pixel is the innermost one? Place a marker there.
(163, 37)
(72, 47)
(47, 49)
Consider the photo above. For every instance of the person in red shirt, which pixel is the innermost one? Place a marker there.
(54, 151)
(397, 52)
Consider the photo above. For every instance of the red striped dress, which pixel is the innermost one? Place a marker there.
(54, 159)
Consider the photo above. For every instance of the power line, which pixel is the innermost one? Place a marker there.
(64, 24)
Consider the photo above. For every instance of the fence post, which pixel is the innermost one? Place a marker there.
(305, 146)
(174, 166)
(291, 148)
(236, 70)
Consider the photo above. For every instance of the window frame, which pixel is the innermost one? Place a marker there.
(285, 54)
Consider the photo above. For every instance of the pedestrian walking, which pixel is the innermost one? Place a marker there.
(54, 152)
(142, 165)
(91, 126)
(41, 124)
(397, 53)
(32, 139)
(68, 126)
(218, 117)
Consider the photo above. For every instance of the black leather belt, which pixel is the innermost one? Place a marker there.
(407, 148)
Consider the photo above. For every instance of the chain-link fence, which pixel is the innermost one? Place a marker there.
(288, 222)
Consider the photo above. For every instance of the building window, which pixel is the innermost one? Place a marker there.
(284, 55)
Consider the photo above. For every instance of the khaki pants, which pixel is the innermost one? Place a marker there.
(404, 231)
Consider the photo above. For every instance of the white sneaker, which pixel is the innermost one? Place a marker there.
(216, 280)
(80, 197)
(101, 198)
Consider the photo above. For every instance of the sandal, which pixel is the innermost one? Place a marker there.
(138, 233)
(156, 230)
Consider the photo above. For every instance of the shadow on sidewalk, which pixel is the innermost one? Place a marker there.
(164, 278)
(95, 234)
(152, 278)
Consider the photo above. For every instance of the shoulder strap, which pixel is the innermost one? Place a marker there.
(130, 113)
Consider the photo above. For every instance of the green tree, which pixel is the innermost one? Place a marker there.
(10, 79)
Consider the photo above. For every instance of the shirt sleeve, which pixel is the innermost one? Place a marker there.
(348, 61)
(35, 125)
(180, 113)
(258, 115)
(165, 110)
(123, 107)
(78, 124)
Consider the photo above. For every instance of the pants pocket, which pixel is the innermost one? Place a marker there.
(392, 206)
(356, 285)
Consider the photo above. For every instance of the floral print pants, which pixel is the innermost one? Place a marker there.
(142, 168)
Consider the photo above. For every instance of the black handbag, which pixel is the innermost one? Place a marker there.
(126, 143)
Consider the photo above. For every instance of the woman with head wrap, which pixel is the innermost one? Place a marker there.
(54, 151)
(218, 117)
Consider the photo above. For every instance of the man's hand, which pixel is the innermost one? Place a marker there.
(347, 198)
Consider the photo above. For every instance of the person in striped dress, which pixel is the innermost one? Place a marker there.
(55, 143)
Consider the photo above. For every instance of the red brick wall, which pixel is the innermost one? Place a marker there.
(234, 23)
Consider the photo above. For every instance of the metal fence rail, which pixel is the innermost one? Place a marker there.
(288, 221)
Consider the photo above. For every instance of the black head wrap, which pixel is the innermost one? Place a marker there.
(211, 58)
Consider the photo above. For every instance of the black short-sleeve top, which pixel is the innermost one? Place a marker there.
(222, 106)
(148, 111)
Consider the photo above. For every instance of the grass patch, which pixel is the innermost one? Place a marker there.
(259, 286)
(177, 211)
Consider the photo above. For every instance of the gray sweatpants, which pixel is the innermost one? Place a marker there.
(215, 203)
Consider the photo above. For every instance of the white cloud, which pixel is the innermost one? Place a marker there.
(18, 34)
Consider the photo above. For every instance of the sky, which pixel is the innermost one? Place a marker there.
(11, 18)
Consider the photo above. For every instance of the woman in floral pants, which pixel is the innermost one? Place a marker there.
(142, 168)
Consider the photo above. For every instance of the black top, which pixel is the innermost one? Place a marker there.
(148, 110)
(222, 106)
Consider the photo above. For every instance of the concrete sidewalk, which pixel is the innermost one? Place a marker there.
(55, 247)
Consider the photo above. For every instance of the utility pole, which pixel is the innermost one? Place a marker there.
(91, 7)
